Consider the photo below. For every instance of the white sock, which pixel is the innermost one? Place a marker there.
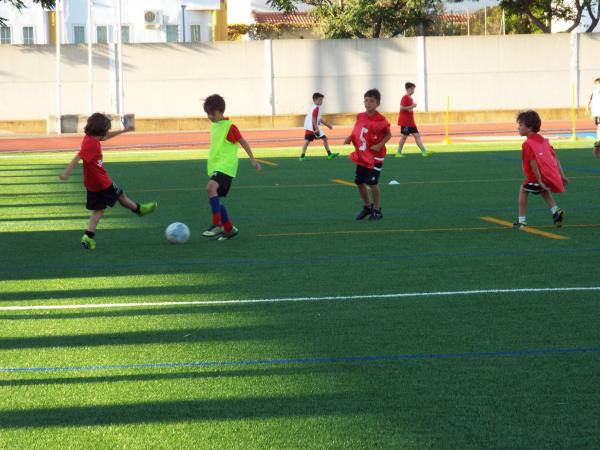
(522, 219)
(554, 209)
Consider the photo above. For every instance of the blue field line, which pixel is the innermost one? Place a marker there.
(317, 360)
(572, 168)
(291, 261)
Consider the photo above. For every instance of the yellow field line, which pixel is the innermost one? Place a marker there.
(268, 163)
(530, 230)
(344, 182)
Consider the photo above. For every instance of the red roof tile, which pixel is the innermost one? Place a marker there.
(301, 19)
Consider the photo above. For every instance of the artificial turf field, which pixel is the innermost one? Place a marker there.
(309, 329)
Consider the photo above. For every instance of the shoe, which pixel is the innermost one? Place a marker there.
(332, 156)
(399, 155)
(366, 211)
(87, 242)
(213, 231)
(519, 225)
(147, 208)
(426, 154)
(376, 215)
(228, 235)
(558, 217)
(302, 158)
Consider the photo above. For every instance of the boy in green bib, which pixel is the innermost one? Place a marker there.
(222, 165)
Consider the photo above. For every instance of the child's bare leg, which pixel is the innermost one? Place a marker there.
(401, 142)
(375, 191)
(326, 145)
(598, 132)
(419, 142)
(364, 194)
(547, 196)
(94, 219)
(304, 147)
(127, 203)
(523, 194)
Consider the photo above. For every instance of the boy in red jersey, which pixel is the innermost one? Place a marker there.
(369, 135)
(542, 169)
(101, 191)
(406, 120)
(312, 131)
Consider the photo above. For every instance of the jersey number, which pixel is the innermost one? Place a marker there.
(363, 147)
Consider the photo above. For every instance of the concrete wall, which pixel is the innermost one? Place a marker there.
(264, 78)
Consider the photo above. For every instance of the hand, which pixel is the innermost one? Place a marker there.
(544, 186)
(255, 164)
(330, 127)
(348, 140)
(63, 177)
(414, 106)
(376, 147)
(565, 181)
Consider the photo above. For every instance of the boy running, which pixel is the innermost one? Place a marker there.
(369, 135)
(222, 165)
(543, 172)
(406, 120)
(101, 191)
(593, 108)
(312, 130)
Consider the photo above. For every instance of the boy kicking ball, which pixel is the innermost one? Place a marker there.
(542, 169)
(101, 191)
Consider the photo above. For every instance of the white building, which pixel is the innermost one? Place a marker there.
(147, 21)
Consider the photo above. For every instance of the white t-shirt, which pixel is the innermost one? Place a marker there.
(313, 111)
(596, 104)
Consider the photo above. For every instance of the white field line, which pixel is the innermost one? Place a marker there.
(296, 299)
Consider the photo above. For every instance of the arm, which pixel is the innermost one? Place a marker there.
(248, 150)
(538, 176)
(348, 140)
(112, 134)
(70, 167)
(327, 124)
(379, 145)
(565, 180)
(587, 108)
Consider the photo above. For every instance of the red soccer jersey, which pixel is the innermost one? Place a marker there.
(537, 148)
(406, 118)
(95, 177)
(234, 134)
(368, 131)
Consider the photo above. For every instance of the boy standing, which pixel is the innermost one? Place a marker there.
(101, 191)
(369, 135)
(222, 165)
(593, 108)
(406, 120)
(312, 130)
(543, 172)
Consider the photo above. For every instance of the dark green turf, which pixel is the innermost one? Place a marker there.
(431, 239)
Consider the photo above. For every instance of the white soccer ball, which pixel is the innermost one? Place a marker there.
(177, 233)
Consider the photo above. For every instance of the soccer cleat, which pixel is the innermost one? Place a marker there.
(213, 231)
(366, 211)
(302, 158)
(376, 214)
(596, 151)
(228, 235)
(399, 155)
(332, 156)
(147, 208)
(558, 217)
(519, 225)
(426, 154)
(87, 242)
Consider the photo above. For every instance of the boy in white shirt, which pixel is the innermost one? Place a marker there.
(312, 130)
(593, 109)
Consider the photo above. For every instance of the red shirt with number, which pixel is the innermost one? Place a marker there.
(406, 118)
(95, 177)
(537, 148)
(368, 131)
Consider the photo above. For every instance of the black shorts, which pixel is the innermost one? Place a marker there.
(224, 182)
(310, 136)
(597, 120)
(407, 131)
(366, 176)
(101, 199)
(533, 188)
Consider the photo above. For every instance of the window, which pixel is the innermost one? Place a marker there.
(125, 34)
(102, 34)
(195, 33)
(28, 36)
(172, 33)
(210, 33)
(5, 35)
(78, 34)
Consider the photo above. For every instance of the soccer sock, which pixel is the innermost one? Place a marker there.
(227, 225)
(554, 209)
(215, 206)
(522, 219)
(90, 234)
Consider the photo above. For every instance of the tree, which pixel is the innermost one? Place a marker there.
(367, 18)
(48, 4)
(541, 13)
